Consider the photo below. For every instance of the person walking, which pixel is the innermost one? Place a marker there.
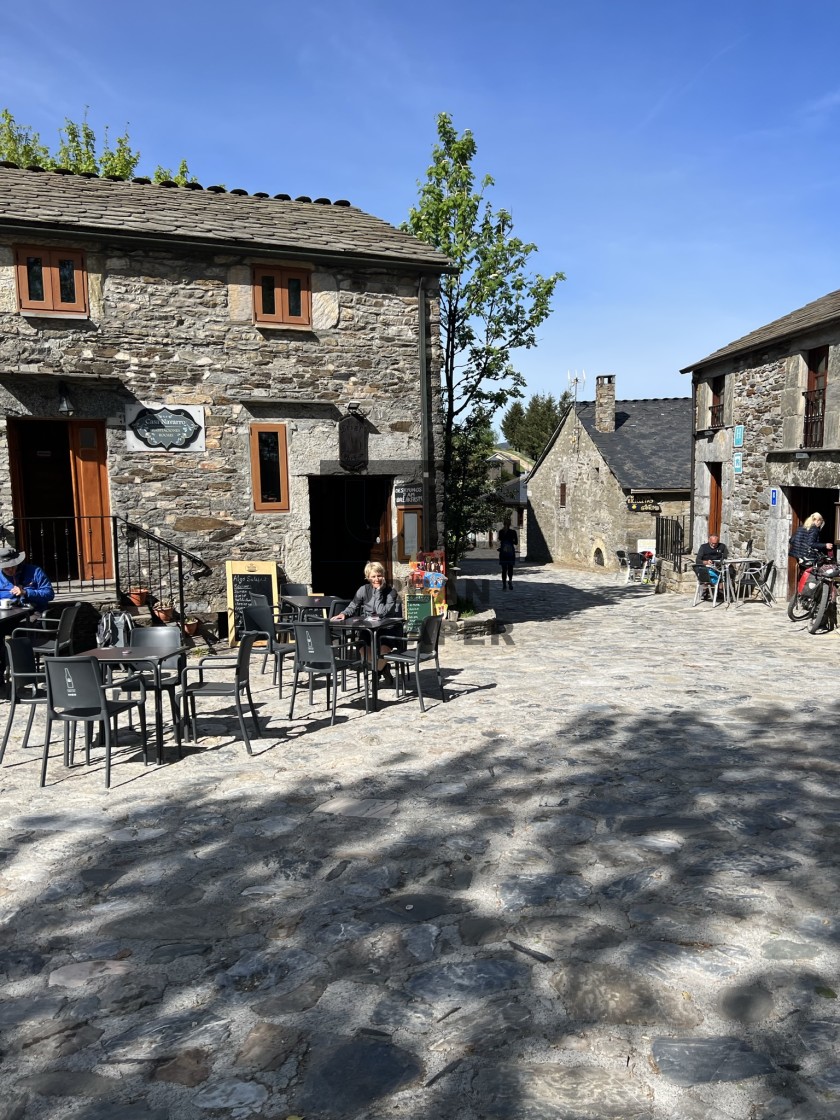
(508, 541)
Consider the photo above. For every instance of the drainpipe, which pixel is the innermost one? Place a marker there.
(424, 411)
(693, 461)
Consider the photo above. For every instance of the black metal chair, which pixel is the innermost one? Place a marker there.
(218, 688)
(258, 619)
(54, 637)
(426, 649)
(76, 694)
(758, 576)
(316, 656)
(635, 566)
(26, 685)
(159, 639)
(294, 589)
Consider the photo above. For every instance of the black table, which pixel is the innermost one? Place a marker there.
(372, 626)
(139, 658)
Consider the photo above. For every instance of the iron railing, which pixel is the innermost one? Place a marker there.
(812, 435)
(716, 416)
(670, 539)
(108, 554)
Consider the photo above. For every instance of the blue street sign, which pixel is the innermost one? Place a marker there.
(774, 496)
(738, 438)
(738, 463)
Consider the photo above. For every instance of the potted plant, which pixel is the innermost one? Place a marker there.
(191, 624)
(138, 595)
(164, 610)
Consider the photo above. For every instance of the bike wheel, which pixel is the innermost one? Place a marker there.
(821, 608)
(800, 607)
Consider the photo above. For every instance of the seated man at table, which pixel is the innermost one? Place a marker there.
(708, 562)
(374, 599)
(25, 584)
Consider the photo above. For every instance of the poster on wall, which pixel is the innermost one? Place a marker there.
(164, 428)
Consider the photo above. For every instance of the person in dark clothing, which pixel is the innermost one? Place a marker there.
(710, 556)
(24, 584)
(806, 540)
(508, 540)
(374, 599)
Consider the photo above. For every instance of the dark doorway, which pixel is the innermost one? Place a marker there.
(350, 523)
(805, 500)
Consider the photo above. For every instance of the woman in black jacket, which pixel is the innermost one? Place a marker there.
(374, 599)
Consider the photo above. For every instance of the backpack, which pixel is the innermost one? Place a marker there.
(114, 629)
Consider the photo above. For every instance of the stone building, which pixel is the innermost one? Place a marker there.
(606, 472)
(242, 377)
(767, 424)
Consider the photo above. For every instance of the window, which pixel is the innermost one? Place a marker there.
(812, 434)
(51, 281)
(718, 387)
(561, 495)
(282, 295)
(269, 468)
(409, 532)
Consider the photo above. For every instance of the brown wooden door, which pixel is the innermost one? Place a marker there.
(89, 473)
(715, 498)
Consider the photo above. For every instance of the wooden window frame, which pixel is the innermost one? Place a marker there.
(561, 499)
(717, 389)
(281, 316)
(402, 554)
(282, 446)
(51, 304)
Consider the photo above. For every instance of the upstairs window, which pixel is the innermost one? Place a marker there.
(812, 435)
(718, 387)
(282, 296)
(51, 281)
(269, 468)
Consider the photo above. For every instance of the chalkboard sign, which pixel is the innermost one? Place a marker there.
(243, 578)
(417, 605)
(409, 495)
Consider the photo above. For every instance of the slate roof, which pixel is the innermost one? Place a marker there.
(814, 314)
(49, 201)
(651, 446)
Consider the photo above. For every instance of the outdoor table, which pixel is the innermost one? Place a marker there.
(9, 619)
(372, 626)
(304, 603)
(110, 656)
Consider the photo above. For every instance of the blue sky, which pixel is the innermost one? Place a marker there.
(679, 161)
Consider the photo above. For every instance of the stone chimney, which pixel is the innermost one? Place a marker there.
(605, 403)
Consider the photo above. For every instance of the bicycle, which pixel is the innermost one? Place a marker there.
(803, 601)
(825, 610)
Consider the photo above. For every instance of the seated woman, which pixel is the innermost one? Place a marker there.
(374, 599)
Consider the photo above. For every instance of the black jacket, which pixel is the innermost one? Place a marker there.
(369, 600)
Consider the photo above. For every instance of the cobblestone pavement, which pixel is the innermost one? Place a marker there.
(600, 882)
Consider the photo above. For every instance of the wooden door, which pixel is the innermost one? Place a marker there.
(89, 472)
(715, 498)
(381, 548)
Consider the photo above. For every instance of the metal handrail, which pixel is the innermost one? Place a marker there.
(813, 427)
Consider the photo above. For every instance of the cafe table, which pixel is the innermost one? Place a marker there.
(374, 627)
(110, 656)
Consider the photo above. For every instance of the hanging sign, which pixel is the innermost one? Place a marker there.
(643, 505)
(167, 428)
(738, 437)
(738, 463)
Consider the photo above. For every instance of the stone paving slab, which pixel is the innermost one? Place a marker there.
(600, 881)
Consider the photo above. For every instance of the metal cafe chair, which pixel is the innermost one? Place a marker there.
(76, 694)
(26, 685)
(758, 576)
(218, 688)
(54, 638)
(258, 619)
(158, 639)
(635, 567)
(316, 656)
(426, 649)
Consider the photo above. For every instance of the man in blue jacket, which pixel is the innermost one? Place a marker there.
(25, 584)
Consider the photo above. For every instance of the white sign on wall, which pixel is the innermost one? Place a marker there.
(164, 428)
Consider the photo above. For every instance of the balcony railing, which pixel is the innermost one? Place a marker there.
(670, 539)
(716, 416)
(812, 435)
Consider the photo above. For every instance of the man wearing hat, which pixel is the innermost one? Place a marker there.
(25, 584)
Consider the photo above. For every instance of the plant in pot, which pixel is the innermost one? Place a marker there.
(191, 624)
(138, 595)
(164, 610)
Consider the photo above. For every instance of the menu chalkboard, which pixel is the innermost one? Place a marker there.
(243, 578)
(417, 605)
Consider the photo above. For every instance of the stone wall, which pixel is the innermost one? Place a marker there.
(595, 517)
(764, 392)
(177, 330)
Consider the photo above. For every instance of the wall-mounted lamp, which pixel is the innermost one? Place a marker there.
(802, 455)
(354, 406)
(65, 405)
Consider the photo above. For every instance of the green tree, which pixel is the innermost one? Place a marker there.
(529, 429)
(491, 307)
(474, 503)
(78, 150)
